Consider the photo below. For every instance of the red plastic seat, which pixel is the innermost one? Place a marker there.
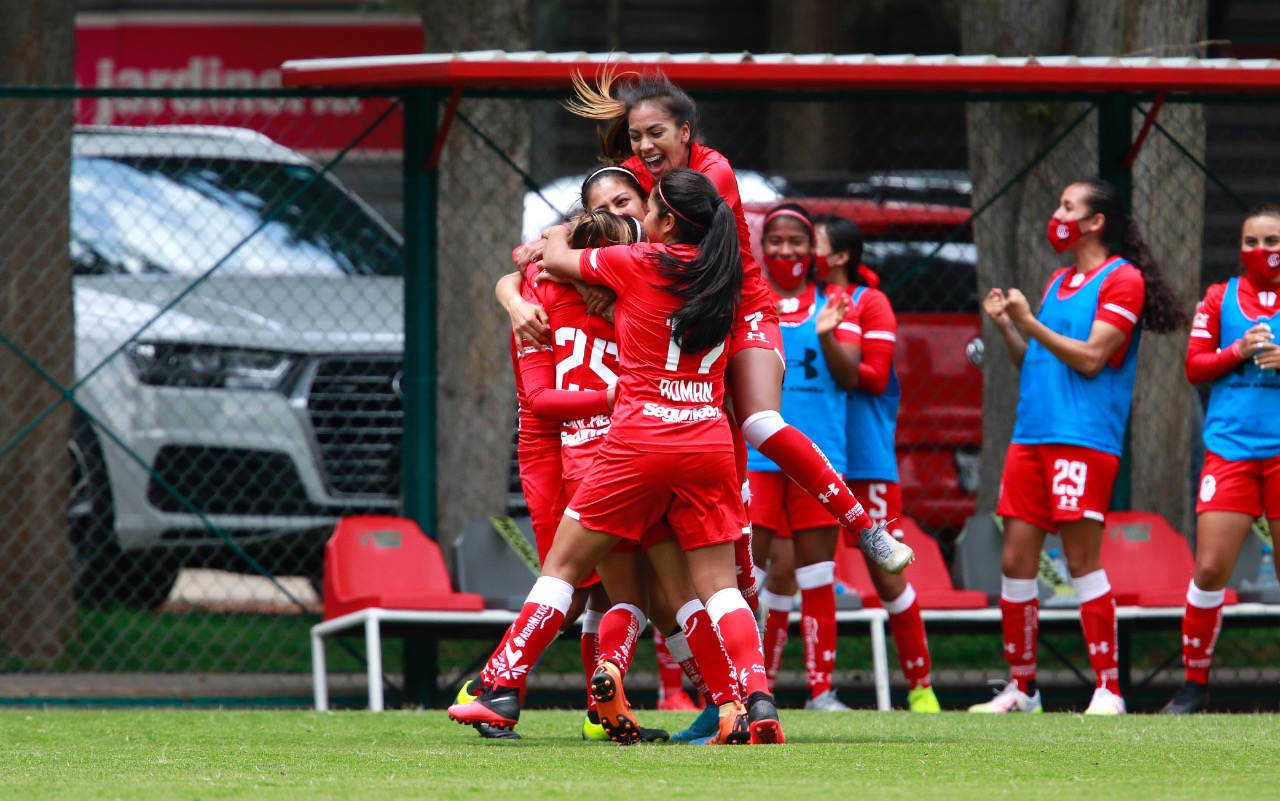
(387, 562)
(1147, 561)
(928, 573)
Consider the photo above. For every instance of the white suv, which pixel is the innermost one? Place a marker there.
(263, 399)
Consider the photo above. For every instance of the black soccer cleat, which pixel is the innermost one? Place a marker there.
(1192, 696)
(654, 735)
(495, 706)
(762, 717)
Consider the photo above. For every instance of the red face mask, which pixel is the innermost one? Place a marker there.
(1063, 235)
(788, 274)
(821, 268)
(1260, 264)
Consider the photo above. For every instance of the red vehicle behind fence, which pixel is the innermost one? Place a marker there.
(927, 265)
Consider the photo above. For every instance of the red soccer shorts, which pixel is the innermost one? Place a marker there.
(630, 490)
(757, 329)
(542, 479)
(881, 499)
(778, 503)
(652, 536)
(1046, 485)
(1249, 486)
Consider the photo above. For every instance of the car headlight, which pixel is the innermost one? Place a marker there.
(170, 364)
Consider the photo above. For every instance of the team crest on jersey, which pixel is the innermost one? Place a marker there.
(1268, 299)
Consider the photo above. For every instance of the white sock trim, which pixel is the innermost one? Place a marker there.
(687, 611)
(725, 601)
(902, 603)
(758, 573)
(678, 645)
(1205, 599)
(773, 601)
(1091, 585)
(635, 611)
(1018, 591)
(551, 591)
(811, 577)
(757, 428)
(591, 621)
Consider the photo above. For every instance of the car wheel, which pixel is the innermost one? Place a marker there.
(102, 571)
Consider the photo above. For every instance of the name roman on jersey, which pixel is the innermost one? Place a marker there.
(693, 415)
(687, 391)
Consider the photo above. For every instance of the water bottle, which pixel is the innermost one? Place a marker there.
(1266, 579)
(1269, 372)
(1059, 563)
(1063, 593)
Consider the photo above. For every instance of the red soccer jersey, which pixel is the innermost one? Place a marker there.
(583, 365)
(756, 295)
(666, 399)
(1120, 299)
(535, 434)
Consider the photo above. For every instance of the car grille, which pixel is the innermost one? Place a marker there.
(358, 417)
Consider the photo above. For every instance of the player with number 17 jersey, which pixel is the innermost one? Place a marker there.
(666, 399)
(669, 449)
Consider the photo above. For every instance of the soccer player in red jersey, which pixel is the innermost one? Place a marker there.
(614, 190)
(1075, 390)
(669, 452)
(1232, 346)
(653, 131)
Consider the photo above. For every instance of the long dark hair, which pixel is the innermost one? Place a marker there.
(710, 284)
(1162, 312)
(612, 101)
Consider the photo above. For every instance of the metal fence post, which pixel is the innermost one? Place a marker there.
(1115, 133)
(418, 468)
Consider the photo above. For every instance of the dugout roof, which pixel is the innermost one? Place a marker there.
(516, 71)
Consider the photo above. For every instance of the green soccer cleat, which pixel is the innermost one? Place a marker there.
(593, 731)
(922, 699)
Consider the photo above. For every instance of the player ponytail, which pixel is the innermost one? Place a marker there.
(1162, 312)
(710, 284)
(611, 101)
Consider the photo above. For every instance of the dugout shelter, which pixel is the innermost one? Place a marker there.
(1128, 94)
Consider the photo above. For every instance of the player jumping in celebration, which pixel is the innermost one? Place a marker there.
(1232, 347)
(871, 462)
(652, 132)
(1076, 387)
(669, 451)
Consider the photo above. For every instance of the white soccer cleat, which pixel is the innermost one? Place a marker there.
(1010, 699)
(1105, 702)
(882, 548)
(826, 702)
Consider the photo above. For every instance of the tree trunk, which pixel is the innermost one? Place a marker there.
(481, 202)
(1168, 202)
(1004, 137)
(37, 45)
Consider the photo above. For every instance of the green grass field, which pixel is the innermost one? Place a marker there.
(181, 754)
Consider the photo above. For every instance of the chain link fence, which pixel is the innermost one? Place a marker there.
(235, 268)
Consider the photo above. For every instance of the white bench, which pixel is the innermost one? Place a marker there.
(370, 622)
